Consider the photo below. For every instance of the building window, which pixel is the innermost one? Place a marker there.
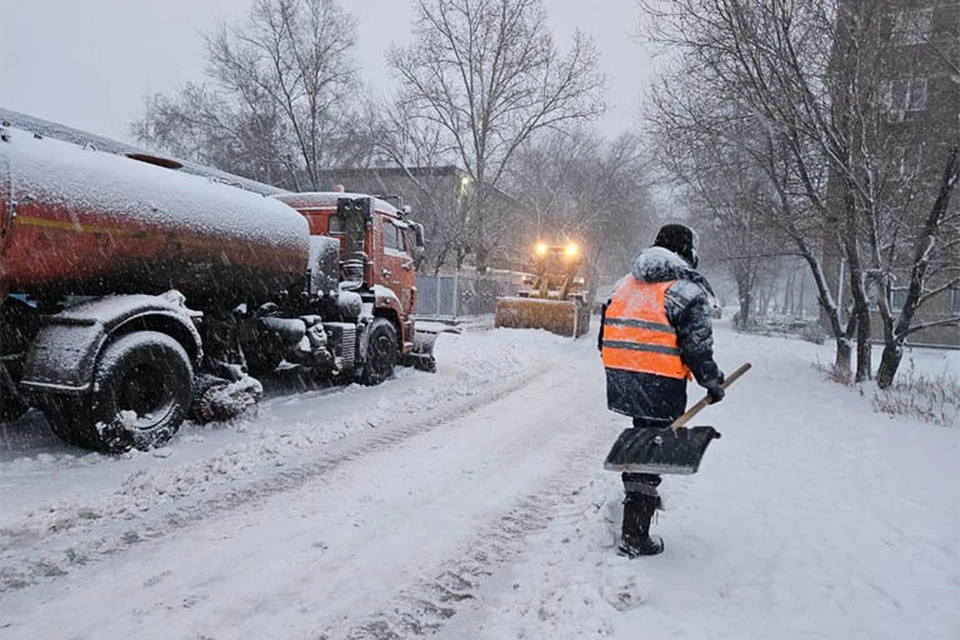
(908, 161)
(956, 303)
(898, 298)
(911, 27)
(905, 94)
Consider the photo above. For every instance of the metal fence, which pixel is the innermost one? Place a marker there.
(463, 294)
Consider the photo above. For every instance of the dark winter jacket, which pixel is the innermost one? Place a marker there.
(659, 398)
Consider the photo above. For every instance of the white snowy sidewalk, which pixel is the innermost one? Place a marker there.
(813, 517)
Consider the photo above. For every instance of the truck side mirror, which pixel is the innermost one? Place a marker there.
(419, 249)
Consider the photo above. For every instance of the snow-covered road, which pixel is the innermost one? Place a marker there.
(472, 504)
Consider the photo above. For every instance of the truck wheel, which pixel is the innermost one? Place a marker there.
(66, 416)
(382, 352)
(142, 392)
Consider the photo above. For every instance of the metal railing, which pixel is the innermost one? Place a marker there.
(463, 294)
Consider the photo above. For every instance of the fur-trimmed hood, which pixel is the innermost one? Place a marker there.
(656, 264)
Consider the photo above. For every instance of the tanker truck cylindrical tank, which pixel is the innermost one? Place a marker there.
(76, 221)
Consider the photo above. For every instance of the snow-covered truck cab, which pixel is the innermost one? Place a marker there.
(379, 251)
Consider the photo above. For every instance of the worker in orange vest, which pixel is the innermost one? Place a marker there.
(655, 334)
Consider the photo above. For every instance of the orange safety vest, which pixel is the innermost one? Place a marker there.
(637, 335)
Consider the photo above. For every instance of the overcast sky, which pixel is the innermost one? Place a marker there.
(89, 63)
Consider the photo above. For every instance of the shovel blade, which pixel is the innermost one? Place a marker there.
(661, 451)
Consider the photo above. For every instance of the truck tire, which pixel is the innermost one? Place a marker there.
(141, 394)
(382, 352)
(66, 416)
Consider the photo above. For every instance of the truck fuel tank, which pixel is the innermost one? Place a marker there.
(76, 221)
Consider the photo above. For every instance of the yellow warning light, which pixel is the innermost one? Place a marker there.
(571, 250)
(541, 249)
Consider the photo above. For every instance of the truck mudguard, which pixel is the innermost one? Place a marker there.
(63, 356)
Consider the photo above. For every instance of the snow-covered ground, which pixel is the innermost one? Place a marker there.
(472, 504)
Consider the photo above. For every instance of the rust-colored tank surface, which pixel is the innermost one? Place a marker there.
(77, 221)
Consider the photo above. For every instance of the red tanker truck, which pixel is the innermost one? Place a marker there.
(133, 295)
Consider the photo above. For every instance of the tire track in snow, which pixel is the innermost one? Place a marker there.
(425, 607)
(51, 556)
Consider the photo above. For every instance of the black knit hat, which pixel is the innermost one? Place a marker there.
(680, 239)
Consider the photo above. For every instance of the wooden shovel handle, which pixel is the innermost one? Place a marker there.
(695, 409)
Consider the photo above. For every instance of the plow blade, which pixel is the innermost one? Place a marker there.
(562, 317)
(424, 338)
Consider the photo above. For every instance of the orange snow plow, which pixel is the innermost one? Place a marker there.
(554, 298)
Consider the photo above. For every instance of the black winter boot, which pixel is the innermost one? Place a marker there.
(635, 540)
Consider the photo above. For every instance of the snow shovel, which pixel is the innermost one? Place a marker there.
(671, 450)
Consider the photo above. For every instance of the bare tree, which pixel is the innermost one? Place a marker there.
(710, 104)
(578, 186)
(806, 77)
(897, 329)
(487, 74)
(727, 195)
(278, 106)
(735, 229)
(420, 149)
